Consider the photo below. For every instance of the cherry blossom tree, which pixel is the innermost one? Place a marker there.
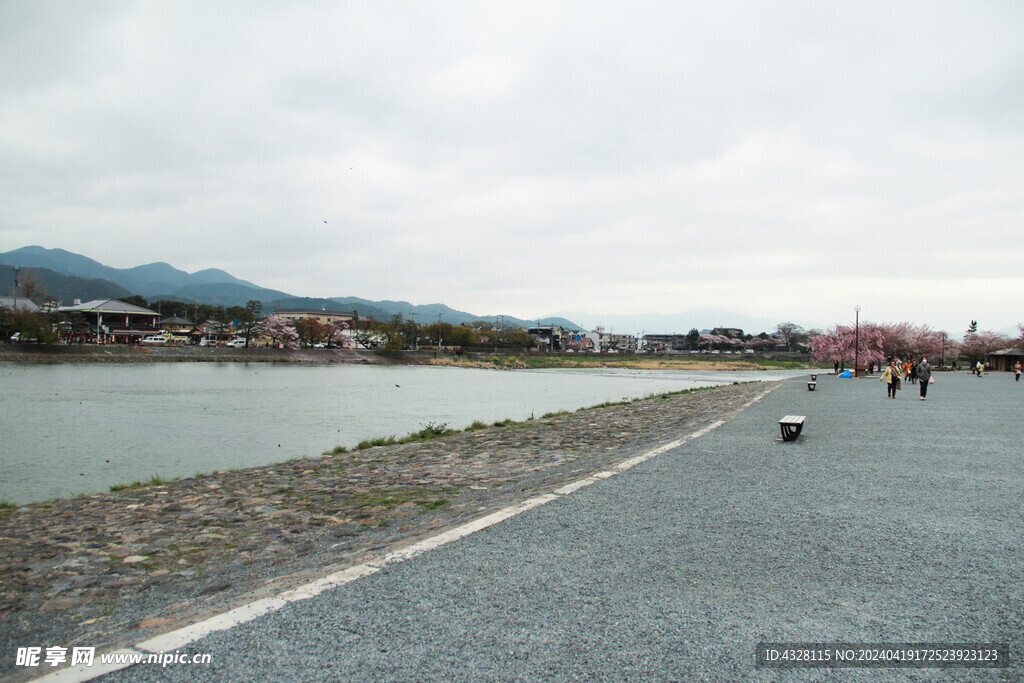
(280, 330)
(844, 344)
(978, 345)
(335, 334)
(882, 341)
(761, 344)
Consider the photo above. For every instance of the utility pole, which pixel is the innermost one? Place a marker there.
(16, 288)
(856, 343)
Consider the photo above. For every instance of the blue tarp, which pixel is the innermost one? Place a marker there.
(846, 374)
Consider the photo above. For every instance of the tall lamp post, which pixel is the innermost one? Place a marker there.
(856, 344)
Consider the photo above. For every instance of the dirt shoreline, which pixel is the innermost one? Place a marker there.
(118, 353)
(107, 570)
(87, 353)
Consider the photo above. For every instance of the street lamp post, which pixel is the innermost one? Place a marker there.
(856, 344)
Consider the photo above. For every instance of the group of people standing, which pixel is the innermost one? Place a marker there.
(897, 371)
(921, 373)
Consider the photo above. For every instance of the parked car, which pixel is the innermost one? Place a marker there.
(155, 339)
(236, 344)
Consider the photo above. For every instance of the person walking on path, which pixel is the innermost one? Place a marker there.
(891, 376)
(1016, 371)
(924, 374)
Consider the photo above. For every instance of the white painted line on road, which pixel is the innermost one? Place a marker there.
(702, 432)
(465, 530)
(575, 486)
(334, 580)
(632, 462)
(181, 637)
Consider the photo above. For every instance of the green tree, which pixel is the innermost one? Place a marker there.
(518, 338)
(249, 319)
(6, 322)
(439, 333)
(32, 326)
(463, 335)
(693, 338)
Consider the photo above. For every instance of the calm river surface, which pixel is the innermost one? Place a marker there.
(68, 429)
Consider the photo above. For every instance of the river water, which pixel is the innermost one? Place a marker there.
(80, 428)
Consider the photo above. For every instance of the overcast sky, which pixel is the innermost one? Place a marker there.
(781, 159)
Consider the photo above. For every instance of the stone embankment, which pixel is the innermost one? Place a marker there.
(108, 569)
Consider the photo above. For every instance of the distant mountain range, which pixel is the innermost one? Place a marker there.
(69, 276)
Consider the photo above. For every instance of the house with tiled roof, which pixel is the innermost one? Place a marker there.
(112, 321)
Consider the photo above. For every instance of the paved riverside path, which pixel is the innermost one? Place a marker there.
(886, 521)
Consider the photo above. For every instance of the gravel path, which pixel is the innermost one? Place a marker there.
(886, 521)
(109, 570)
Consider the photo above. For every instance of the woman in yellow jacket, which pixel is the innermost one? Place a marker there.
(891, 377)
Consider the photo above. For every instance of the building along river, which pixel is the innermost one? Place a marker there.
(67, 428)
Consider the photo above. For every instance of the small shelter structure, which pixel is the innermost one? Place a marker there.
(1003, 361)
(112, 321)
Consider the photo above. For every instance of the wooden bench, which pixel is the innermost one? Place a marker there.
(811, 385)
(791, 426)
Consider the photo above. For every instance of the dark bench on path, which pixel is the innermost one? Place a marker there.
(791, 426)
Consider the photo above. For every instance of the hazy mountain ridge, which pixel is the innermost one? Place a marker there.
(149, 280)
(66, 288)
(70, 276)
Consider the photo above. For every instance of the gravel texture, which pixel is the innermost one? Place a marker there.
(108, 570)
(887, 521)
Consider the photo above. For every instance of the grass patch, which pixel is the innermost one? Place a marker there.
(155, 480)
(607, 404)
(337, 450)
(429, 431)
(379, 441)
(391, 498)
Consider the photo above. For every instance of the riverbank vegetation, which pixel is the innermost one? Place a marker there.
(636, 362)
(432, 430)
